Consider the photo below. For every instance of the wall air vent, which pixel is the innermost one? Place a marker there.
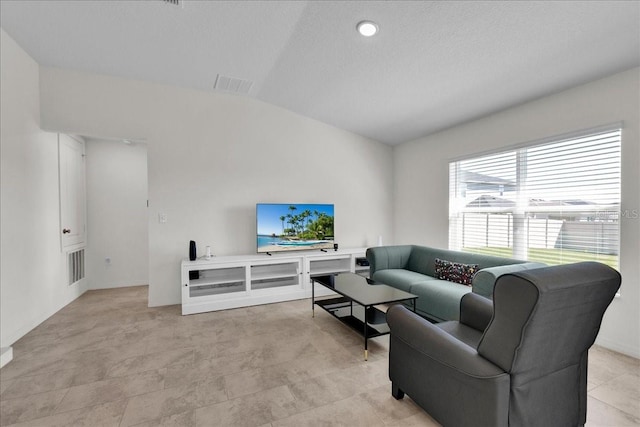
(232, 85)
(76, 266)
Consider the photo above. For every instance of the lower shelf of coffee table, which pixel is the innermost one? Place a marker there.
(353, 316)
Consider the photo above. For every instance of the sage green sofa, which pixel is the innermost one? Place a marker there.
(411, 268)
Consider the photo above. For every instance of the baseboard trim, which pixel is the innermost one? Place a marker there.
(614, 346)
(6, 355)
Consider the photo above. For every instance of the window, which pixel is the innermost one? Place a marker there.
(555, 202)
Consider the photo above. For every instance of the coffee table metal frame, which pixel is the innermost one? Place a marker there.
(366, 319)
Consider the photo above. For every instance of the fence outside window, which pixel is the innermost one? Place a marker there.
(554, 202)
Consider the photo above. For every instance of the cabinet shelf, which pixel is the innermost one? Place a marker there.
(210, 282)
(325, 271)
(244, 280)
(267, 276)
(274, 283)
(331, 265)
(218, 276)
(201, 291)
(273, 276)
(221, 281)
(276, 271)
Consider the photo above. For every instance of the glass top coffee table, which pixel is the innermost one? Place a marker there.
(355, 307)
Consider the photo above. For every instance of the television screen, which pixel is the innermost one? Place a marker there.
(290, 227)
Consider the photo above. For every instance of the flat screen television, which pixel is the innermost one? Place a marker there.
(294, 226)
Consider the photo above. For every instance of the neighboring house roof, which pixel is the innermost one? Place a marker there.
(476, 181)
(469, 177)
(487, 201)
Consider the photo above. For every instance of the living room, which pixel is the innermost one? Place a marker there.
(213, 156)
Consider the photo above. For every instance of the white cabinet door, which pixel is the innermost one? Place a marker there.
(72, 192)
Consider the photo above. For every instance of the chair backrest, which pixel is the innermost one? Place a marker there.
(547, 317)
(544, 321)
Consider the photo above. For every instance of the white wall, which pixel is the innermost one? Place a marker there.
(421, 177)
(32, 266)
(212, 157)
(117, 225)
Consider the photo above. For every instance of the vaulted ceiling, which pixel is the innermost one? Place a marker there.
(433, 64)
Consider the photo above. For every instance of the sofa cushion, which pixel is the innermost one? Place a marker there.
(455, 271)
(439, 299)
(398, 278)
(423, 259)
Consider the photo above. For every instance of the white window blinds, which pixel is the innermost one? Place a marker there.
(556, 202)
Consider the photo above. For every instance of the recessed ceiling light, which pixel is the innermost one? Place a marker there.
(367, 28)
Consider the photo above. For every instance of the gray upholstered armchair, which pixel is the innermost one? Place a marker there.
(521, 361)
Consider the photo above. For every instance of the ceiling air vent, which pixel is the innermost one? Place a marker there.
(175, 2)
(232, 85)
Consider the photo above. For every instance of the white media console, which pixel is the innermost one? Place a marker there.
(238, 281)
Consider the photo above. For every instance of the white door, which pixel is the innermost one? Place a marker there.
(72, 192)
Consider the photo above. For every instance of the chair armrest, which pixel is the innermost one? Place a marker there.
(446, 377)
(437, 345)
(476, 311)
(385, 257)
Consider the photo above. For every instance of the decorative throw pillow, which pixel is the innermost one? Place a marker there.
(455, 271)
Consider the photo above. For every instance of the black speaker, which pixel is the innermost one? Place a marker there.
(362, 261)
(192, 250)
(335, 246)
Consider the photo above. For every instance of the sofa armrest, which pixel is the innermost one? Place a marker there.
(476, 311)
(437, 345)
(485, 279)
(385, 257)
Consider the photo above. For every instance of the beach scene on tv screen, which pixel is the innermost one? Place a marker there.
(287, 227)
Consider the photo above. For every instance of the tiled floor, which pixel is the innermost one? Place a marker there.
(108, 360)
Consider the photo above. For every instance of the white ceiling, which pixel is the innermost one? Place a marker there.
(434, 64)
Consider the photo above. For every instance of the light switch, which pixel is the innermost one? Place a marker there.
(162, 218)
